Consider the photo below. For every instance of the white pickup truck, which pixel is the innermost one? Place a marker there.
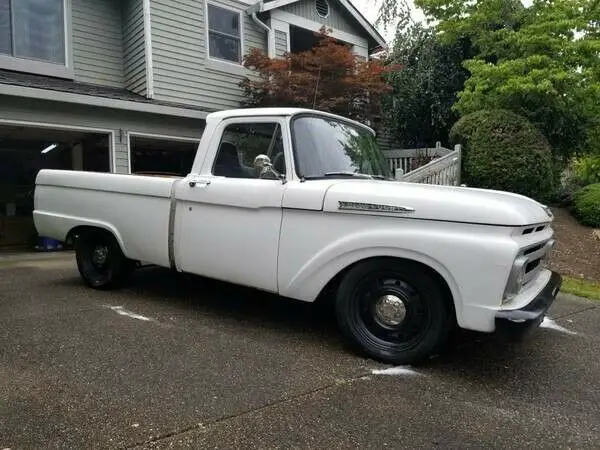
(301, 203)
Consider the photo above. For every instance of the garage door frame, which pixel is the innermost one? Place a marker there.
(112, 138)
(164, 137)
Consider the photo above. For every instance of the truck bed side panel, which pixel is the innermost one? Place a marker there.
(134, 208)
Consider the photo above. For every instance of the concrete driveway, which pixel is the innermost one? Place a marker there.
(176, 361)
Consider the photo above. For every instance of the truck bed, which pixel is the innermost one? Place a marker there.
(134, 208)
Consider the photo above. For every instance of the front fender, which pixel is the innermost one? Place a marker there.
(474, 264)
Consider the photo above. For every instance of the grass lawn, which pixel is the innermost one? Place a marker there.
(581, 288)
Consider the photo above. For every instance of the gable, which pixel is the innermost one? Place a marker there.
(338, 16)
(342, 16)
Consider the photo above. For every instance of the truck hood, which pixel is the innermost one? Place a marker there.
(434, 202)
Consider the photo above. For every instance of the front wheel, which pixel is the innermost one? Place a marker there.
(395, 311)
(100, 261)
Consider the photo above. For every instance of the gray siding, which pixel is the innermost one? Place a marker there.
(338, 17)
(121, 157)
(179, 50)
(134, 49)
(97, 42)
(280, 43)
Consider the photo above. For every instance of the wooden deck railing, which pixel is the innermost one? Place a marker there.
(444, 170)
(408, 159)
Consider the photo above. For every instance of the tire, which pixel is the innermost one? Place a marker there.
(100, 260)
(407, 328)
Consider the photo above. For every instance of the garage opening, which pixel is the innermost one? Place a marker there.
(162, 157)
(24, 150)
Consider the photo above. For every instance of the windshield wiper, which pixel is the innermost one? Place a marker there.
(349, 174)
(364, 176)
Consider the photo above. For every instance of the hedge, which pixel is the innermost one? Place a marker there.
(586, 205)
(503, 150)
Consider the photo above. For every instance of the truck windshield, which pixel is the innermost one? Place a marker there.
(326, 147)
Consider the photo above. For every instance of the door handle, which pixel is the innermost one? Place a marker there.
(198, 182)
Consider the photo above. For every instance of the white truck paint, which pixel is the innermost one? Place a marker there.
(296, 235)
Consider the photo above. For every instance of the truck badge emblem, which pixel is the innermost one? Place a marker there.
(357, 206)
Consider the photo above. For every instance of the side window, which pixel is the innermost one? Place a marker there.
(240, 146)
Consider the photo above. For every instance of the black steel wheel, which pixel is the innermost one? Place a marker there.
(395, 311)
(100, 261)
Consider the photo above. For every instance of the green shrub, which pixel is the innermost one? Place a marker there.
(581, 171)
(586, 205)
(586, 169)
(503, 150)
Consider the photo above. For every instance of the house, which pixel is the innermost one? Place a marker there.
(125, 85)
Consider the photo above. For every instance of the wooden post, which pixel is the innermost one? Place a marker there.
(458, 149)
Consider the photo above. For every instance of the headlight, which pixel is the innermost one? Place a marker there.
(515, 279)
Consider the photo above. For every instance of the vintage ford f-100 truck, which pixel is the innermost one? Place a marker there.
(301, 203)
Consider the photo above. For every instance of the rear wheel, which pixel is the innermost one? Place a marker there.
(395, 311)
(100, 261)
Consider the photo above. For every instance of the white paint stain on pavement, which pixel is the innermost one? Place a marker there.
(122, 311)
(398, 370)
(549, 323)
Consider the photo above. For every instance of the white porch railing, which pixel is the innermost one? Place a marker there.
(407, 159)
(444, 170)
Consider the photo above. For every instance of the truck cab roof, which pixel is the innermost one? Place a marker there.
(277, 111)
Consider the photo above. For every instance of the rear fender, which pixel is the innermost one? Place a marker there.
(61, 226)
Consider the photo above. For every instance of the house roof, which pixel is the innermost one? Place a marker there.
(263, 6)
(45, 87)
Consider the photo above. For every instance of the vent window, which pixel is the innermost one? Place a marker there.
(322, 8)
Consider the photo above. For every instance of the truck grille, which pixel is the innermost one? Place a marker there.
(536, 255)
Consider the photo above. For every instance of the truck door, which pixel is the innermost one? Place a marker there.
(228, 216)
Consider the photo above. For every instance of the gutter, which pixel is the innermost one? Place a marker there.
(103, 102)
(252, 11)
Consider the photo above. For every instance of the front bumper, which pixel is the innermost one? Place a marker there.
(531, 315)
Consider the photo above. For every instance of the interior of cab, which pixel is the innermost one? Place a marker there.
(240, 146)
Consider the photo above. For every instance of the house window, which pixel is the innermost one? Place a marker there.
(32, 35)
(224, 34)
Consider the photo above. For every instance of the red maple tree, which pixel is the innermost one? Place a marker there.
(329, 77)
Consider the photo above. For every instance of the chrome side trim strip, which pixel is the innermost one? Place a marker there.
(373, 207)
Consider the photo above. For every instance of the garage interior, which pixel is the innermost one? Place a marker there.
(24, 150)
(167, 157)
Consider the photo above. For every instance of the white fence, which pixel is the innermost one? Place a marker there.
(408, 159)
(443, 170)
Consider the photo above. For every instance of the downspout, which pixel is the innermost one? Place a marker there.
(270, 34)
(148, 49)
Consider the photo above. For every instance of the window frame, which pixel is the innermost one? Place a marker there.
(218, 63)
(278, 130)
(59, 70)
(207, 166)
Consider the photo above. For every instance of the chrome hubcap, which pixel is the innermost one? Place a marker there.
(100, 255)
(390, 310)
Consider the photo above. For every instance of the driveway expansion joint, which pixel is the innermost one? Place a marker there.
(204, 425)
